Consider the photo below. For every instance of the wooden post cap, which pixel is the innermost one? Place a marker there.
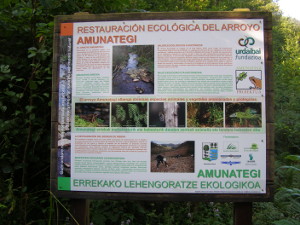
(241, 10)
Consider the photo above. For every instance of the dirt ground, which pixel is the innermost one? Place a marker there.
(175, 165)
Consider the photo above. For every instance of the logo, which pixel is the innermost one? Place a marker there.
(230, 162)
(231, 156)
(251, 157)
(231, 147)
(248, 79)
(253, 148)
(245, 41)
(251, 160)
(247, 53)
(210, 151)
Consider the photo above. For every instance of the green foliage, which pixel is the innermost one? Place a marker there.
(79, 122)
(146, 56)
(134, 114)
(205, 114)
(192, 109)
(287, 92)
(129, 115)
(25, 74)
(148, 63)
(120, 54)
(216, 115)
(160, 213)
(25, 80)
(120, 113)
(286, 206)
(287, 88)
(287, 222)
(241, 76)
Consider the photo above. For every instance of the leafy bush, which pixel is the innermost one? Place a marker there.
(160, 213)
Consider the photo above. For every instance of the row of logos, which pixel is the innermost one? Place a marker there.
(210, 153)
(231, 146)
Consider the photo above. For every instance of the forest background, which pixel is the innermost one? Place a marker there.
(25, 106)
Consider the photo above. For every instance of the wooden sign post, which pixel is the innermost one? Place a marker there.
(242, 213)
(80, 211)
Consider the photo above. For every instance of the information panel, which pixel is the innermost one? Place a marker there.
(162, 106)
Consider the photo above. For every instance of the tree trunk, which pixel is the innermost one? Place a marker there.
(170, 111)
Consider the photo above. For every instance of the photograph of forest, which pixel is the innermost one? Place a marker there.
(133, 69)
(132, 114)
(92, 114)
(205, 114)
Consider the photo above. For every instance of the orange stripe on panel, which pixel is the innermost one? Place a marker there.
(66, 29)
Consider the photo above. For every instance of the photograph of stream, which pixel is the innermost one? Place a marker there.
(133, 70)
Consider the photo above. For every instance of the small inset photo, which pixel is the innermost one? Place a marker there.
(205, 114)
(92, 114)
(133, 70)
(248, 79)
(243, 114)
(172, 156)
(166, 114)
(125, 114)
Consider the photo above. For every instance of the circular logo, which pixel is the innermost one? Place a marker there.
(246, 41)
